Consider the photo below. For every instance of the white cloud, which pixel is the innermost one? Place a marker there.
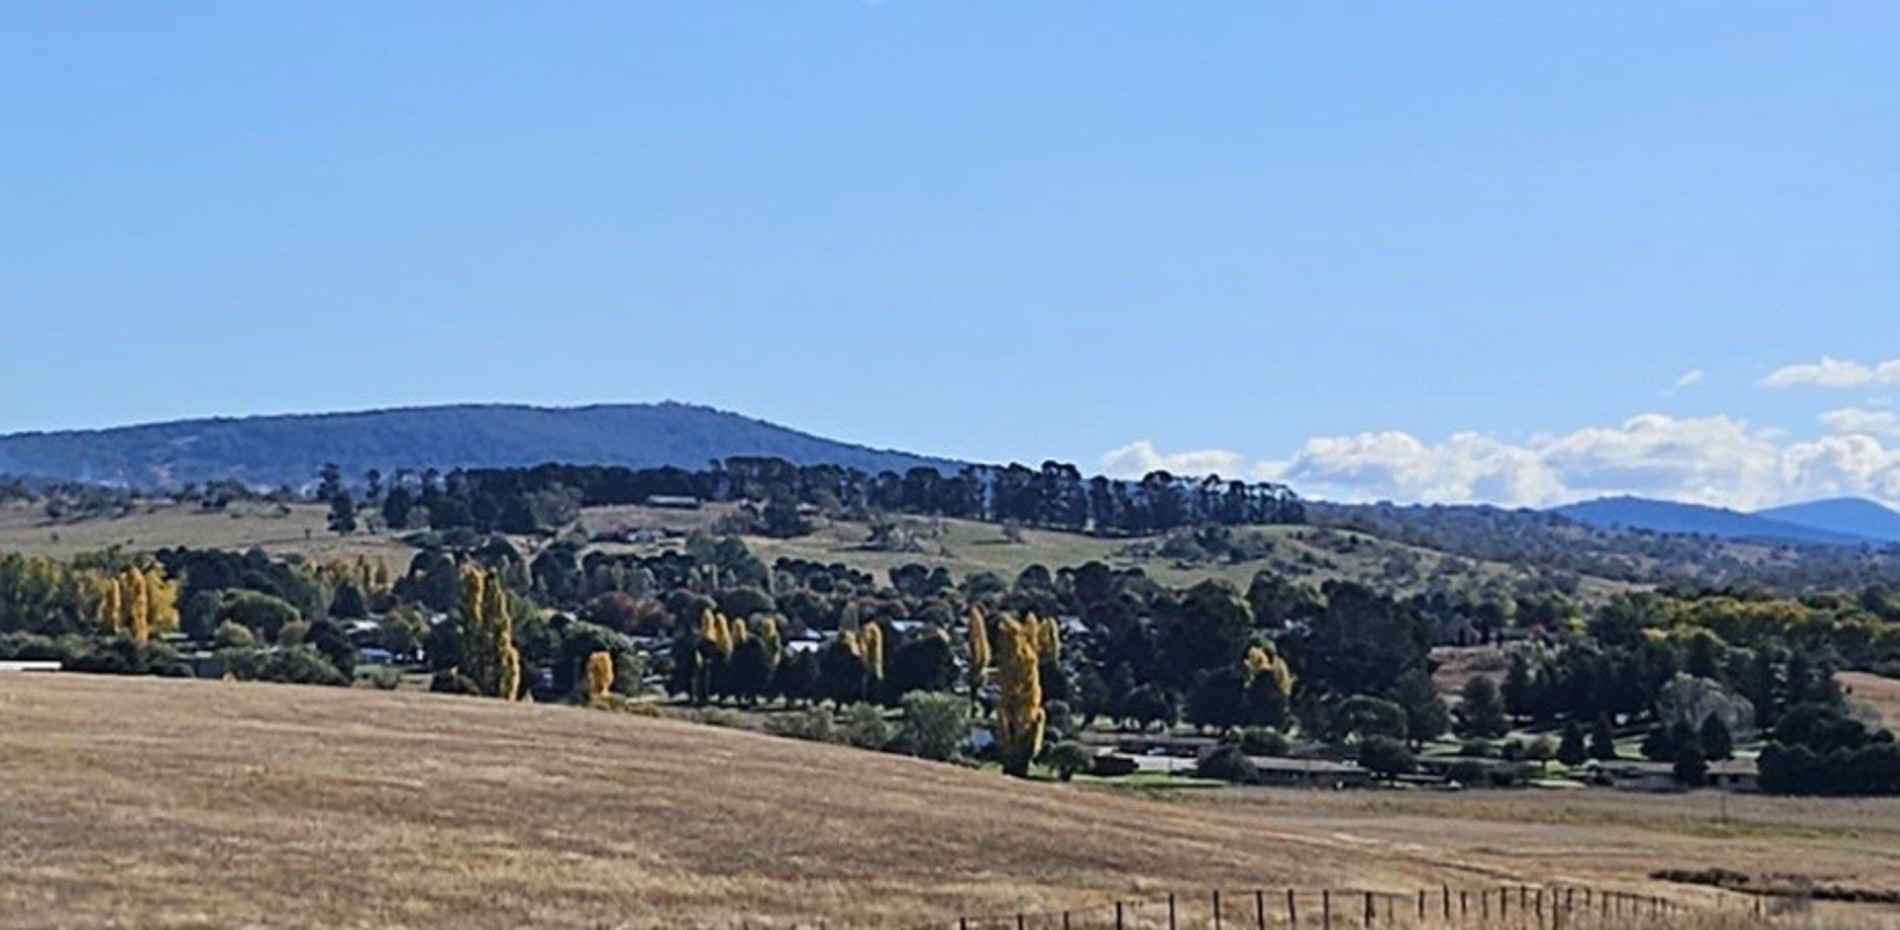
(1722, 461)
(1141, 457)
(1690, 378)
(1863, 421)
(1834, 373)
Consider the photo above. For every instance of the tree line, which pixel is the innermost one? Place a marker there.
(1056, 495)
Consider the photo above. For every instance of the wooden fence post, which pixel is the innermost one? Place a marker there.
(1217, 909)
(1172, 923)
(1259, 910)
(1326, 909)
(1292, 909)
(1447, 903)
(1118, 915)
(1372, 909)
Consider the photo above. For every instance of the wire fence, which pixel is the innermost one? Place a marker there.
(1509, 907)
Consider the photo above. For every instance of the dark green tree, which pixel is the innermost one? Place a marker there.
(1690, 768)
(796, 678)
(1572, 751)
(1481, 710)
(1602, 739)
(1426, 716)
(1517, 688)
(1215, 701)
(342, 519)
(1715, 739)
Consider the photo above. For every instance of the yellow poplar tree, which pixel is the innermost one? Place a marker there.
(871, 641)
(100, 594)
(1262, 662)
(134, 608)
(161, 602)
(1019, 715)
(774, 643)
(489, 657)
(979, 653)
(1048, 638)
(600, 677)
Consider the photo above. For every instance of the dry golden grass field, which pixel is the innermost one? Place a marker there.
(148, 803)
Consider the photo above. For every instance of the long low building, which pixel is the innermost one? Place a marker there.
(24, 665)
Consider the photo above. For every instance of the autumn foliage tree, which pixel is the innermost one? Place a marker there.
(489, 658)
(137, 603)
(979, 656)
(1019, 714)
(871, 645)
(600, 677)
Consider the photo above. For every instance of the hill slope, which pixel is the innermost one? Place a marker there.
(173, 803)
(276, 450)
(1671, 517)
(1853, 516)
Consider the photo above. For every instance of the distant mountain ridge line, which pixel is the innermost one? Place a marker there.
(1840, 521)
(278, 449)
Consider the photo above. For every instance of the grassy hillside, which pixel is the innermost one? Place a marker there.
(172, 803)
(185, 803)
(1312, 555)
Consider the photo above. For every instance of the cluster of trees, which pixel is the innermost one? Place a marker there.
(107, 594)
(529, 500)
(1818, 749)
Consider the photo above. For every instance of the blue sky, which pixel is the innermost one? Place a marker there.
(1424, 253)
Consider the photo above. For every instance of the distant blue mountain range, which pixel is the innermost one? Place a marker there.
(274, 450)
(1838, 522)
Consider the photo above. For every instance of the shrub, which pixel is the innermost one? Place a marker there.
(1263, 741)
(865, 727)
(1386, 756)
(385, 678)
(813, 724)
(452, 681)
(1466, 772)
(718, 717)
(1503, 777)
(1477, 749)
(1227, 763)
(934, 725)
(1069, 757)
(232, 636)
(301, 665)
